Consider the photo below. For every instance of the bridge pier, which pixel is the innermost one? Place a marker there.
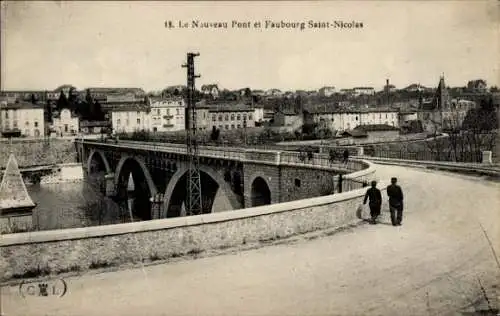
(156, 206)
(110, 184)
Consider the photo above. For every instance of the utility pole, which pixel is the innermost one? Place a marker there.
(194, 204)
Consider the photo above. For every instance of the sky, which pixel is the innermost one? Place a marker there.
(126, 44)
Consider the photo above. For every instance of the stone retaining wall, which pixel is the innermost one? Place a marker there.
(80, 249)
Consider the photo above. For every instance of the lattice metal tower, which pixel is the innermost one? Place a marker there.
(194, 204)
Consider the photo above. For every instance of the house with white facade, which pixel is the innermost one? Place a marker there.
(24, 118)
(232, 116)
(130, 118)
(258, 114)
(65, 123)
(167, 114)
(363, 91)
(342, 120)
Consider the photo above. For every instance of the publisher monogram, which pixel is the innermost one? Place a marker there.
(56, 288)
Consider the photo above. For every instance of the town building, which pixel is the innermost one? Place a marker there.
(130, 118)
(167, 114)
(342, 120)
(93, 127)
(327, 91)
(65, 123)
(443, 113)
(22, 119)
(232, 116)
(268, 115)
(357, 91)
(289, 118)
(101, 94)
(258, 114)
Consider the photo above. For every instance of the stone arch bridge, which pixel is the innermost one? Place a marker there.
(232, 178)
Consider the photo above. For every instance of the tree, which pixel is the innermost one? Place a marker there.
(33, 98)
(96, 113)
(48, 111)
(72, 99)
(62, 102)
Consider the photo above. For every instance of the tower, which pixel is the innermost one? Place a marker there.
(193, 179)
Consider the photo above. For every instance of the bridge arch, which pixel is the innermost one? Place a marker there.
(97, 158)
(229, 197)
(260, 192)
(144, 186)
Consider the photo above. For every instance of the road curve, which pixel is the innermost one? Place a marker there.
(428, 266)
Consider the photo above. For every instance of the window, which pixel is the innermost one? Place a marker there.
(168, 111)
(138, 113)
(118, 122)
(239, 125)
(385, 115)
(6, 114)
(232, 126)
(157, 111)
(227, 126)
(232, 117)
(65, 128)
(177, 111)
(138, 121)
(27, 123)
(244, 117)
(26, 132)
(15, 123)
(356, 118)
(250, 116)
(238, 117)
(220, 117)
(36, 124)
(127, 122)
(226, 117)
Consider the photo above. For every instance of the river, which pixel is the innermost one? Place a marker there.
(70, 205)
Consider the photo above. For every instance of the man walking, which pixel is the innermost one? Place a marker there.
(375, 201)
(395, 202)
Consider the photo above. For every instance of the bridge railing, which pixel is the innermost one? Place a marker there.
(247, 154)
(321, 160)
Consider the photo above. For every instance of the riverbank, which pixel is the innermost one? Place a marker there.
(56, 174)
(67, 173)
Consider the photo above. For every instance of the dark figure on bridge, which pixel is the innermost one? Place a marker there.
(395, 202)
(375, 201)
(346, 156)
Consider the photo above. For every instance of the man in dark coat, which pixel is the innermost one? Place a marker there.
(375, 201)
(395, 194)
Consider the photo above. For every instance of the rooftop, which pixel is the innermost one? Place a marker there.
(21, 105)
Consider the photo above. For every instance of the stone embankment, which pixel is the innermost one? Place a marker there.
(38, 152)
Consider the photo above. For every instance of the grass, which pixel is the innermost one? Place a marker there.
(33, 273)
(99, 264)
